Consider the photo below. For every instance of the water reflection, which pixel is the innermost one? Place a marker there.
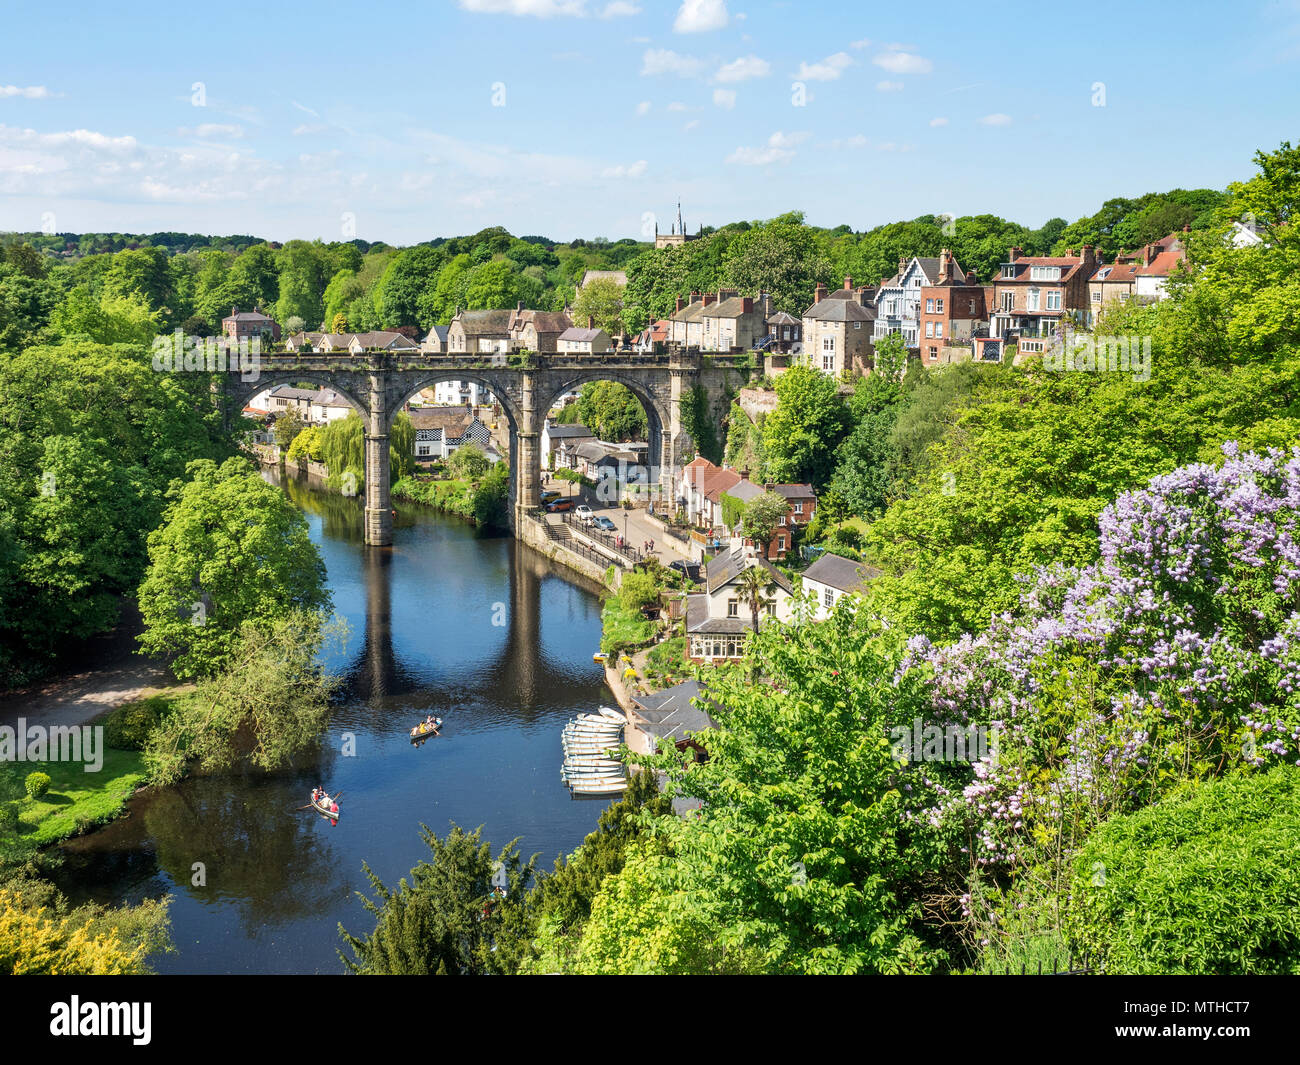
(478, 630)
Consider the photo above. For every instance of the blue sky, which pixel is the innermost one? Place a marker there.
(567, 118)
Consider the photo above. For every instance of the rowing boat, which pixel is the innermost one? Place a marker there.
(613, 715)
(321, 808)
(422, 729)
(603, 789)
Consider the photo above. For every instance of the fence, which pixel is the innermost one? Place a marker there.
(1071, 969)
(608, 540)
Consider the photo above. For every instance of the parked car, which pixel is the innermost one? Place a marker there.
(557, 505)
(604, 524)
(689, 570)
(584, 514)
(549, 496)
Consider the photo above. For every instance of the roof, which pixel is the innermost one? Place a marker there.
(382, 338)
(829, 310)
(1115, 273)
(724, 568)
(289, 392)
(929, 266)
(732, 307)
(671, 713)
(567, 432)
(1067, 263)
(592, 451)
(744, 490)
(1163, 264)
(839, 572)
(715, 482)
(327, 397)
(783, 318)
(248, 316)
(618, 276)
(438, 331)
(479, 323)
(692, 312)
(453, 421)
(794, 491)
(541, 321)
(583, 334)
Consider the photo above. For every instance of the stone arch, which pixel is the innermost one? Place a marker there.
(410, 384)
(659, 414)
(243, 391)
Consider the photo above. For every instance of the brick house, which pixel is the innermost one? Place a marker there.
(734, 321)
(245, 325)
(953, 308)
(784, 331)
(837, 329)
(801, 504)
(1034, 295)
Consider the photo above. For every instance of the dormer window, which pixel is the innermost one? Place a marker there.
(1008, 271)
(1045, 273)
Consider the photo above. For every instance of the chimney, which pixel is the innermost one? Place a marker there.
(1086, 253)
(591, 321)
(1013, 254)
(709, 297)
(944, 257)
(519, 306)
(234, 311)
(747, 305)
(902, 266)
(681, 302)
(765, 300)
(848, 283)
(819, 293)
(695, 297)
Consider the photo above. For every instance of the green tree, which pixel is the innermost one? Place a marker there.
(755, 583)
(761, 516)
(468, 462)
(231, 549)
(612, 411)
(800, 436)
(602, 300)
(781, 256)
(451, 918)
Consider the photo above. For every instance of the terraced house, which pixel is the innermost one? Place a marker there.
(1034, 295)
(837, 329)
(898, 300)
(480, 332)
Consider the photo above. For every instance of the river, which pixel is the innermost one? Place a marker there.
(480, 630)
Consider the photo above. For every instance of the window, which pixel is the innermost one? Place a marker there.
(1096, 295)
(938, 329)
(1008, 301)
(1054, 301)
(770, 607)
(972, 308)
(1008, 270)
(916, 283)
(938, 304)
(934, 353)
(733, 608)
(828, 598)
(1031, 300)
(929, 306)
(929, 329)
(828, 343)
(857, 325)
(798, 508)
(1045, 273)
(828, 362)
(780, 543)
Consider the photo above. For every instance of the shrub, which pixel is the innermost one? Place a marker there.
(127, 728)
(37, 784)
(1203, 882)
(8, 817)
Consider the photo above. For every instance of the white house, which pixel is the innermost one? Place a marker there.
(583, 341)
(719, 619)
(441, 430)
(831, 578)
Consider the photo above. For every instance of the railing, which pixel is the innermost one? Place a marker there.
(607, 540)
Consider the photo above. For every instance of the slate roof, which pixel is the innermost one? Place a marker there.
(829, 310)
(542, 321)
(732, 307)
(839, 572)
(248, 316)
(453, 421)
(582, 334)
(390, 341)
(794, 491)
(568, 432)
(619, 276)
(438, 331)
(698, 620)
(724, 568)
(670, 714)
(783, 318)
(481, 323)
(744, 490)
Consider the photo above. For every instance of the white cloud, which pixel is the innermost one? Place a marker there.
(84, 138)
(938, 121)
(309, 129)
(856, 141)
(619, 9)
(889, 86)
(213, 131)
(828, 69)
(864, 43)
(691, 124)
(903, 63)
(699, 16)
(665, 61)
(535, 8)
(996, 119)
(786, 140)
(635, 170)
(725, 98)
(28, 92)
(643, 108)
(677, 105)
(744, 68)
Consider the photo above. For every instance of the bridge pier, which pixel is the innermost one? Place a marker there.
(379, 500)
(528, 437)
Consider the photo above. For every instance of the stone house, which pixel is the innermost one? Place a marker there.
(831, 578)
(537, 330)
(837, 329)
(245, 325)
(479, 332)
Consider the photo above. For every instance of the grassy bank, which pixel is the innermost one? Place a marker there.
(76, 800)
(453, 496)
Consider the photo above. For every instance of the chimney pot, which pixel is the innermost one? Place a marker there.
(848, 282)
(591, 321)
(680, 302)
